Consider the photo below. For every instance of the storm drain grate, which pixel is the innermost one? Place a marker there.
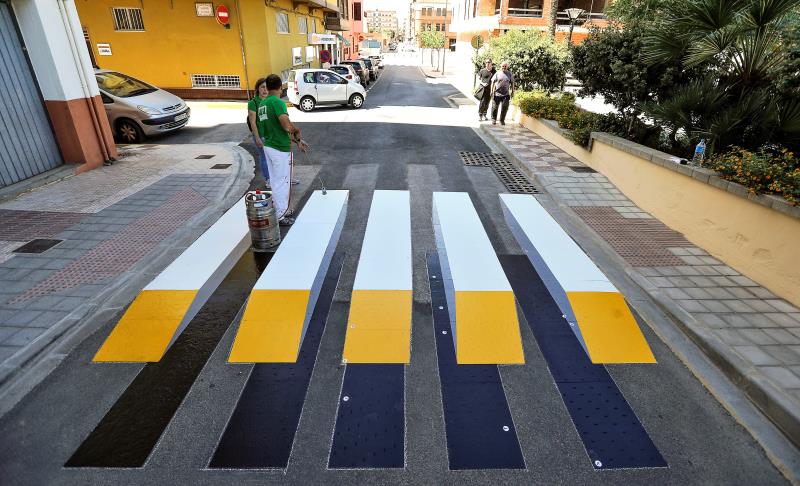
(585, 169)
(220, 166)
(37, 246)
(515, 181)
(204, 157)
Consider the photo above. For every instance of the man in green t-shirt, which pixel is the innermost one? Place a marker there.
(257, 117)
(278, 148)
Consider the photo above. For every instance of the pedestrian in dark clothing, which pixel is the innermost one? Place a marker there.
(503, 89)
(485, 80)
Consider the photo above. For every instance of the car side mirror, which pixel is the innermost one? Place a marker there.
(106, 99)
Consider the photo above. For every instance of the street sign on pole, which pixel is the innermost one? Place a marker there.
(477, 42)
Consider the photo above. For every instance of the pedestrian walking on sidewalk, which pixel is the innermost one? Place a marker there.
(257, 122)
(281, 132)
(485, 80)
(503, 90)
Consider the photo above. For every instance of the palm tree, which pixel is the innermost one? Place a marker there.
(738, 45)
(551, 18)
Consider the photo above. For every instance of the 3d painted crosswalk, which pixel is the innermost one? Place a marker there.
(167, 304)
(483, 313)
(282, 301)
(605, 326)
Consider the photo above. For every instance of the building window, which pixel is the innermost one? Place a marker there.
(357, 11)
(128, 19)
(311, 53)
(215, 81)
(302, 25)
(439, 12)
(282, 20)
(313, 25)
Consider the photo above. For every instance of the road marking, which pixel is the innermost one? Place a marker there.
(483, 314)
(379, 325)
(479, 428)
(164, 308)
(282, 301)
(605, 326)
(611, 433)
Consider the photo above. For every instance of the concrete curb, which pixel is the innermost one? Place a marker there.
(770, 401)
(25, 370)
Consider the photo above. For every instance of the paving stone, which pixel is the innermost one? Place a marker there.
(736, 320)
(668, 271)
(702, 281)
(794, 330)
(676, 294)
(759, 305)
(692, 260)
(698, 293)
(756, 355)
(682, 282)
(715, 306)
(723, 281)
(6, 332)
(23, 337)
(69, 303)
(782, 336)
(48, 318)
(692, 306)
(719, 293)
(785, 320)
(783, 353)
(711, 320)
(697, 251)
(758, 336)
(726, 270)
(737, 305)
(687, 270)
(740, 292)
(660, 281)
(782, 305)
(762, 293)
(7, 351)
(782, 376)
(22, 318)
(707, 270)
(732, 337)
(759, 320)
(679, 251)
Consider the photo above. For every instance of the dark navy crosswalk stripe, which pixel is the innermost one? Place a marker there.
(370, 424)
(127, 434)
(479, 428)
(613, 436)
(261, 430)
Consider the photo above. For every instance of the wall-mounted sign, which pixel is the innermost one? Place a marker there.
(297, 56)
(223, 16)
(204, 9)
(104, 49)
(318, 39)
(311, 53)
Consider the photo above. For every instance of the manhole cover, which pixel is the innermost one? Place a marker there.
(204, 157)
(37, 246)
(515, 181)
(220, 166)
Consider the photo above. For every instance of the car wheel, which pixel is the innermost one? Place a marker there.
(356, 101)
(128, 131)
(307, 103)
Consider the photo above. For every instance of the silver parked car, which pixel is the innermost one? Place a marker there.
(136, 109)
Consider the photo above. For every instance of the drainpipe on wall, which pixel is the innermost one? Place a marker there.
(244, 54)
(82, 75)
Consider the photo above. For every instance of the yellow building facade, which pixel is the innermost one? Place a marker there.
(179, 45)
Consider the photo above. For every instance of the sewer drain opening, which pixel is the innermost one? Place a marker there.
(515, 181)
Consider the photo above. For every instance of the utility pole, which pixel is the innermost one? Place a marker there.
(446, 39)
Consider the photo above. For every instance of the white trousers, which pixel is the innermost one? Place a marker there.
(280, 178)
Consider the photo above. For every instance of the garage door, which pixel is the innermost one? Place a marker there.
(28, 146)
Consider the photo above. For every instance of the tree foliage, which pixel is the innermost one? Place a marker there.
(536, 61)
(431, 39)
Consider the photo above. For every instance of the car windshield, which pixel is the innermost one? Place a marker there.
(122, 86)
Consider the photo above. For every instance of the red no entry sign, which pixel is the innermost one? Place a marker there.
(222, 14)
(325, 55)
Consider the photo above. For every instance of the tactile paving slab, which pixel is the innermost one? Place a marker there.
(479, 428)
(641, 242)
(261, 430)
(16, 225)
(613, 436)
(370, 423)
(515, 181)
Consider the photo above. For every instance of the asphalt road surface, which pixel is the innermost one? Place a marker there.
(162, 423)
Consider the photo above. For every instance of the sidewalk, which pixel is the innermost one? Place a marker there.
(751, 334)
(75, 252)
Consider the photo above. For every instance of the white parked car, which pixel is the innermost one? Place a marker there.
(308, 88)
(347, 71)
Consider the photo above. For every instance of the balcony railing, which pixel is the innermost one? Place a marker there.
(562, 18)
(522, 12)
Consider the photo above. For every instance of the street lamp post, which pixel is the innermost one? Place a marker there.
(573, 14)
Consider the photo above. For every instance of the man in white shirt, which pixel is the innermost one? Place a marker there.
(503, 89)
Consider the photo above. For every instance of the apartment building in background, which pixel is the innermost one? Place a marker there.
(381, 20)
(488, 18)
(432, 15)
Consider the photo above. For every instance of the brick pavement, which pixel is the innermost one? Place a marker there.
(112, 221)
(760, 328)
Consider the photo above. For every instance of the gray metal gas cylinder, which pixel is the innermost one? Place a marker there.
(264, 231)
